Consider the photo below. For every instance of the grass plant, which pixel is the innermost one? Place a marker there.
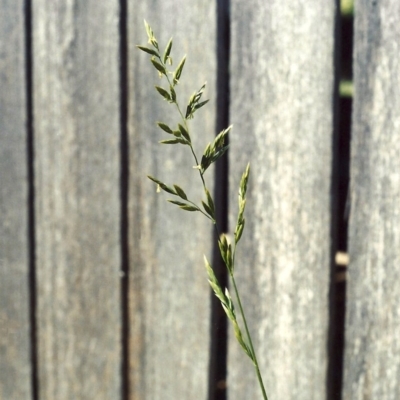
(180, 135)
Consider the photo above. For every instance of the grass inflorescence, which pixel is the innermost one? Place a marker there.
(180, 135)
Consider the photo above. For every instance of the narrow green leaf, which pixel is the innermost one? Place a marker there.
(178, 203)
(181, 193)
(229, 301)
(178, 139)
(208, 209)
(243, 181)
(239, 338)
(184, 141)
(147, 50)
(242, 207)
(209, 269)
(158, 66)
(218, 292)
(199, 93)
(149, 31)
(184, 132)
(229, 308)
(213, 281)
(223, 243)
(199, 105)
(222, 251)
(229, 262)
(210, 200)
(167, 189)
(164, 127)
(228, 129)
(219, 153)
(154, 180)
(189, 113)
(208, 150)
(167, 51)
(163, 186)
(219, 141)
(163, 93)
(206, 158)
(192, 99)
(150, 35)
(178, 71)
(223, 248)
(170, 141)
(173, 93)
(229, 312)
(239, 230)
(189, 208)
(205, 163)
(193, 102)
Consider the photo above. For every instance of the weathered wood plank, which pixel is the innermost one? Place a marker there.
(15, 367)
(169, 294)
(281, 108)
(372, 353)
(76, 113)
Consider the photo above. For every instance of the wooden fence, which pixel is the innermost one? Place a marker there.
(103, 293)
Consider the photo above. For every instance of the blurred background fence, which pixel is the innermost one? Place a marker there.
(103, 294)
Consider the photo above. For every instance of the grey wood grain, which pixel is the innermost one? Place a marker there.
(372, 350)
(77, 164)
(281, 109)
(169, 293)
(15, 367)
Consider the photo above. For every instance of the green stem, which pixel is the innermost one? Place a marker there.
(259, 377)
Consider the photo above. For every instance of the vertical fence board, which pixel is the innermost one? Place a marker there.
(169, 294)
(281, 109)
(76, 113)
(15, 366)
(372, 352)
